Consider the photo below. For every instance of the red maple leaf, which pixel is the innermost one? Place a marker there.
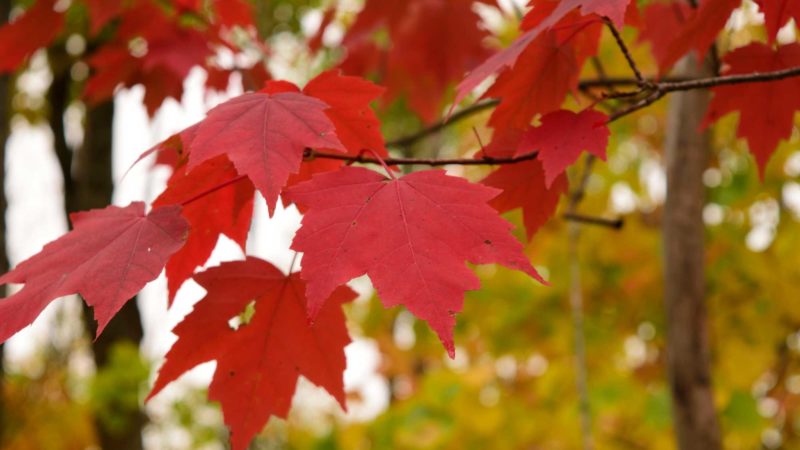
(34, 29)
(264, 135)
(524, 187)
(777, 13)
(561, 138)
(614, 9)
(660, 22)
(258, 363)
(766, 110)
(227, 211)
(107, 258)
(547, 70)
(522, 184)
(234, 12)
(699, 32)
(432, 44)
(411, 235)
(101, 12)
(172, 51)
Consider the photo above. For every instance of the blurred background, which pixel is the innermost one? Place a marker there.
(512, 384)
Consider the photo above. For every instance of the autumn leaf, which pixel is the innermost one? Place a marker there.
(523, 186)
(34, 29)
(699, 32)
(107, 258)
(432, 44)
(260, 360)
(411, 235)
(660, 22)
(766, 110)
(264, 135)
(614, 9)
(210, 213)
(777, 13)
(561, 138)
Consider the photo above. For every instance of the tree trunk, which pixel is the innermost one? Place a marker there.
(687, 150)
(5, 122)
(88, 184)
(92, 172)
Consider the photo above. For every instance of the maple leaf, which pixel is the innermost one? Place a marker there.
(432, 44)
(614, 9)
(548, 69)
(234, 12)
(777, 13)
(107, 258)
(411, 235)
(660, 22)
(258, 363)
(36, 28)
(562, 136)
(766, 110)
(172, 51)
(227, 211)
(699, 32)
(101, 12)
(265, 135)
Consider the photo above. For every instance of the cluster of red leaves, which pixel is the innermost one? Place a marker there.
(142, 42)
(412, 235)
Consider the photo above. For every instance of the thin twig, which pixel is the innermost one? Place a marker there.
(625, 52)
(591, 220)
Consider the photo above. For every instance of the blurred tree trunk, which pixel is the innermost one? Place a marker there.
(5, 128)
(88, 184)
(687, 150)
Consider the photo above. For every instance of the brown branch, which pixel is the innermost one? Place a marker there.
(486, 160)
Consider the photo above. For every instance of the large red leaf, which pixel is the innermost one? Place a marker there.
(614, 9)
(36, 28)
(777, 13)
(265, 135)
(211, 213)
(561, 138)
(258, 363)
(107, 258)
(412, 236)
(524, 187)
(766, 110)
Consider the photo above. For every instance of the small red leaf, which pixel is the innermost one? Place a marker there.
(107, 258)
(259, 363)
(524, 187)
(766, 110)
(411, 235)
(614, 9)
(561, 138)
